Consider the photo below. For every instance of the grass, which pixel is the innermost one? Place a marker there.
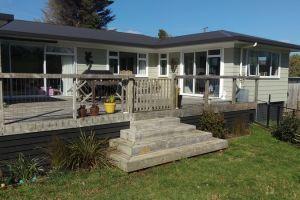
(254, 167)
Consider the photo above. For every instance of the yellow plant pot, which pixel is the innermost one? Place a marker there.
(110, 107)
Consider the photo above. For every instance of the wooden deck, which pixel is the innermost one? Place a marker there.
(56, 114)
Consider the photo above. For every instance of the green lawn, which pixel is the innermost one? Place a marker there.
(254, 167)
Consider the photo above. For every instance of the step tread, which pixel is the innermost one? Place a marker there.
(194, 133)
(166, 119)
(161, 128)
(117, 154)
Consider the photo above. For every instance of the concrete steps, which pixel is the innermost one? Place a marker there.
(156, 141)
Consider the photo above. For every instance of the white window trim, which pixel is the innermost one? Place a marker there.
(159, 66)
(118, 58)
(113, 57)
(257, 67)
(221, 56)
(138, 66)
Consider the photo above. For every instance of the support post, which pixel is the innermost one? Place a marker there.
(268, 111)
(74, 99)
(278, 115)
(1, 101)
(256, 90)
(177, 92)
(233, 101)
(206, 92)
(122, 95)
(130, 95)
(173, 92)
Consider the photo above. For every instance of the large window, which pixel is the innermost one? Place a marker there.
(263, 63)
(163, 65)
(202, 63)
(135, 63)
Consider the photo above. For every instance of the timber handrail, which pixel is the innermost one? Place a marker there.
(212, 77)
(55, 76)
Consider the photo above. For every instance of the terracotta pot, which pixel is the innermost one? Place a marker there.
(82, 112)
(94, 110)
(110, 107)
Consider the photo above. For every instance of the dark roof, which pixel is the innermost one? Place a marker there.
(20, 28)
(6, 17)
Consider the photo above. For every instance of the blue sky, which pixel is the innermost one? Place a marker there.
(273, 19)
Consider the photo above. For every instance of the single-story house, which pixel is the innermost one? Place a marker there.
(36, 47)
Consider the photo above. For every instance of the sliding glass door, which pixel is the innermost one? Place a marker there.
(201, 63)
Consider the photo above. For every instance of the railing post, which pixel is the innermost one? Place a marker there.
(173, 92)
(74, 99)
(206, 92)
(233, 101)
(268, 111)
(1, 100)
(256, 90)
(130, 95)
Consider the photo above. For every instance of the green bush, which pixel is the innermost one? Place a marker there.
(25, 169)
(214, 123)
(240, 127)
(287, 129)
(84, 153)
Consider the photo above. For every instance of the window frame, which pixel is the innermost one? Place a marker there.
(258, 66)
(109, 57)
(159, 64)
(138, 64)
(221, 56)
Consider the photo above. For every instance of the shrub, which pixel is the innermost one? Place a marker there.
(58, 153)
(287, 129)
(25, 169)
(84, 153)
(214, 123)
(240, 127)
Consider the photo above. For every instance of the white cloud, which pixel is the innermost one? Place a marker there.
(286, 41)
(132, 31)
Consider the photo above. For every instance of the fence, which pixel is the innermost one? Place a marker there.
(153, 94)
(294, 93)
(270, 114)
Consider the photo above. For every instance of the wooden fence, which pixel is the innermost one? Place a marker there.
(153, 94)
(294, 93)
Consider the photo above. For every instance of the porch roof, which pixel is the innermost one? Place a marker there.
(29, 29)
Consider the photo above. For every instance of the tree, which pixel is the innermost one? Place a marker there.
(295, 65)
(162, 34)
(79, 13)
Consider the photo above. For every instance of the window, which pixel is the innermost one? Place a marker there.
(113, 62)
(142, 63)
(263, 63)
(275, 64)
(163, 65)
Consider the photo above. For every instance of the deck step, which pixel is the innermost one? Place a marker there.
(158, 122)
(133, 163)
(155, 131)
(159, 143)
(156, 141)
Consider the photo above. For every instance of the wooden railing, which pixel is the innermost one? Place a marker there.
(139, 94)
(153, 94)
(234, 79)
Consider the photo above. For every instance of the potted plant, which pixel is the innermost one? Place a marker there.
(110, 104)
(94, 109)
(82, 112)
